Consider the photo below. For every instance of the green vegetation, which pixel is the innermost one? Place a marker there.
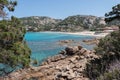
(69, 24)
(107, 67)
(80, 22)
(6, 4)
(13, 49)
(36, 23)
(113, 75)
(113, 15)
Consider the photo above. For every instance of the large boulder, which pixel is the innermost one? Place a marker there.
(80, 47)
(83, 50)
(71, 50)
(63, 52)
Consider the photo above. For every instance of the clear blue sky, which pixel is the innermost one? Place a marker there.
(63, 8)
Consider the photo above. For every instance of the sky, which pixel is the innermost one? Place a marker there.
(61, 9)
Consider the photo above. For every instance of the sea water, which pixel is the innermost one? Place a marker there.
(46, 44)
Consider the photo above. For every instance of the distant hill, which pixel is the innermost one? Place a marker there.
(81, 22)
(37, 23)
(71, 23)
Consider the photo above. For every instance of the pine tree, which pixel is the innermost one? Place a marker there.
(14, 51)
(113, 17)
(109, 51)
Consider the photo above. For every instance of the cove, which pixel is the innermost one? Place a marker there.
(45, 44)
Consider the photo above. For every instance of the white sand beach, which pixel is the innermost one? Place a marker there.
(84, 33)
(88, 33)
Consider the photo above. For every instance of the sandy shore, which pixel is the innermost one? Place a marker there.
(88, 33)
(83, 33)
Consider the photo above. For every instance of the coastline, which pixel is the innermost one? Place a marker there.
(69, 64)
(83, 33)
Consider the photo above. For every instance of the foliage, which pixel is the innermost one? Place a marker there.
(108, 50)
(95, 68)
(115, 75)
(113, 17)
(114, 14)
(110, 44)
(14, 51)
(8, 5)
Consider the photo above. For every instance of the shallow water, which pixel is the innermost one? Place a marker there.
(45, 44)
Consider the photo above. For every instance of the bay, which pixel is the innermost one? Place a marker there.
(46, 44)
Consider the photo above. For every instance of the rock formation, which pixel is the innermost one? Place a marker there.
(92, 41)
(69, 64)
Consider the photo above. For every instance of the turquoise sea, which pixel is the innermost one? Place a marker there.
(46, 44)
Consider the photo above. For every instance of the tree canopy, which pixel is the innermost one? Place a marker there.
(14, 51)
(6, 4)
(113, 17)
(107, 66)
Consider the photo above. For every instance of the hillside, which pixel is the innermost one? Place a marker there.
(71, 23)
(80, 22)
(37, 23)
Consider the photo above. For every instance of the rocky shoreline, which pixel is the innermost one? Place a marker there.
(69, 64)
(92, 41)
